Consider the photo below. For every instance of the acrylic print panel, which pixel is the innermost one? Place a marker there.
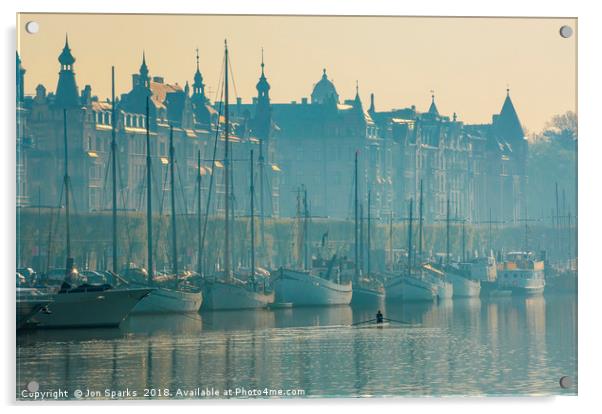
(295, 206)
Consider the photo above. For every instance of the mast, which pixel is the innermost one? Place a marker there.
(420, 224)
(252, 195)
(447, 220)
(368, 238)
(463, 241)
(261, 199)
(114, 169)
(199, 217)
(391, 241)
(356, 221)
(149, 202)
(227, 267)
(410, 238)
(70, 262)
(305, 229)
(362, 246)
(490, 222)
(174, 234)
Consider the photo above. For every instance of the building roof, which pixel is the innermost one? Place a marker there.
(324, 91)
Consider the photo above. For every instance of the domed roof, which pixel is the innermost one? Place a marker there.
(324, 91)
(66, 58)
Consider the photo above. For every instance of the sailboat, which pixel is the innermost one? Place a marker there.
(459, 274)
(324, 284)
(227, 290)
(367, 289)
(178, 297)
(410, 283)
(84, 306)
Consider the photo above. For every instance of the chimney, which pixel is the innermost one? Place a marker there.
(304, 101)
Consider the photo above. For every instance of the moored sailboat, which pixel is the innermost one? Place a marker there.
(226, 290)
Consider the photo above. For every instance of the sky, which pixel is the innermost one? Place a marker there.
(468, 62)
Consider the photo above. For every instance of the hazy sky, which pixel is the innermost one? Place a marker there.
(468, 62)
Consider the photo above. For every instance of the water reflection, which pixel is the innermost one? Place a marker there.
(466, 346)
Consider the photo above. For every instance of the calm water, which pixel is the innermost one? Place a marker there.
(496, 346)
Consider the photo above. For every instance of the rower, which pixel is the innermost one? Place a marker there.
(379, 317)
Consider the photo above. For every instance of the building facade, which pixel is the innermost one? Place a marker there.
(309, 145)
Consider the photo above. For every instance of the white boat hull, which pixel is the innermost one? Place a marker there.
(362, 295)
(463, 287)
(522, 282)
(227, 296)
(90, 309)
(445, 289)
(164, 300)
(407, 288)
(305, 289)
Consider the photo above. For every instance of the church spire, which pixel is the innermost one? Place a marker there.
(507, 123)
(263, 119)
(67, 95)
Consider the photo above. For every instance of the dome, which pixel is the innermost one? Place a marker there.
(324, 91)
(66, 58)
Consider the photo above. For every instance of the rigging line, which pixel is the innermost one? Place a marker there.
(213, 172)
(124, 200)
(103, 199)
(161, 220)
(50, 230)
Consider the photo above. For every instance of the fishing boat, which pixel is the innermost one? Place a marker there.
(367, 288)
(522, 273)
(227, 290)
(172, 295)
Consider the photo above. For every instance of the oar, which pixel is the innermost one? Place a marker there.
(396, 321)
(359, 323)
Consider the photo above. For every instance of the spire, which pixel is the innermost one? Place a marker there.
(198, 99)
(66, 59)
(372, 108)
(145, 80)
(263, 87)
(198, 88)
(357, 90)
(67, 95)
(433, 108)
(507, 123)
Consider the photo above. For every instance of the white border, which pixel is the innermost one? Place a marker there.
(589, 194)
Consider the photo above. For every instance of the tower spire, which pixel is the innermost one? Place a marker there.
(433, 108)
(67, 95)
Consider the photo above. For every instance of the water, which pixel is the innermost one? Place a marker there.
(496, 346)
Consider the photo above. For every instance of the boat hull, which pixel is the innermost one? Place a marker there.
(164, 300)
(463, 287)
(226, 296)
(366, 296)
(90, 309)
(407, 288)
(304, 289)
(27, 308)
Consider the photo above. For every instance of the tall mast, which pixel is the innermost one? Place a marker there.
(410, 237)
(305, 229)
(261, 199)
(227, 267)
(69, 263)
(369, 238)
(149, 201)
(463, 241)
(391, 240)
(362, 246)
(447, 220)
(114, 169)
(490, 240)
(199, 217)
(174, 234)
(420, 224)
(356, 221)
(252, 195)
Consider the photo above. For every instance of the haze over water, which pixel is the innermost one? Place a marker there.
(494, 346)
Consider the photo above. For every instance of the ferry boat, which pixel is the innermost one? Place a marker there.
(521, 273)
